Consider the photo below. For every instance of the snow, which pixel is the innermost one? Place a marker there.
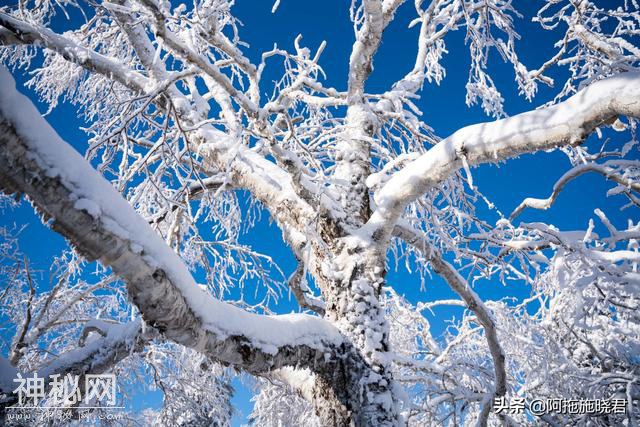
(616, 256)
(595, 42)
(541, 129)
(275, 6)
(115, 335)
(96, 196)
(89, 206)
(302, 379)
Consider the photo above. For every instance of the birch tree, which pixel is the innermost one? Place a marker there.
(187, 144)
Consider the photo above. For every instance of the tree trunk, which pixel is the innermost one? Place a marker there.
(359, 391)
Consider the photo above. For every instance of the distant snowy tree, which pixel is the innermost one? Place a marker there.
(186, 151)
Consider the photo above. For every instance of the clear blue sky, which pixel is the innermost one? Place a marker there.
(444, 109)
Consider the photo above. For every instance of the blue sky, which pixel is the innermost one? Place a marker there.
(444, 109)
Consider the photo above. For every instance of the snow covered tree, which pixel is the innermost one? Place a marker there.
(185, 150)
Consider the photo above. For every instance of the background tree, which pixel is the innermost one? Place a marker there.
(189, 149)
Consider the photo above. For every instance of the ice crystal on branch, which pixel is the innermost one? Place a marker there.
(193, 146)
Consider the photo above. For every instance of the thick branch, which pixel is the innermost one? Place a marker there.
(89, 212)
(7, 38)
(376, 17)
(568, 122)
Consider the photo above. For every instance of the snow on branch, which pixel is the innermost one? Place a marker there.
(460, 286)
(71, 51)
(373, 16)
(117, 342)
(567, 123)
(89, 212)
(183, 51)
(609, 170)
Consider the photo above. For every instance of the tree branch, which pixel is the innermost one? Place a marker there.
(8, 38)
(198, 60)
(568, 122)
(460, 286)
(298, 287)
(89, 212)
(98, 356)
(31, 34)
(264, 179)
(18, 345)
(570, 175)
(376, 17)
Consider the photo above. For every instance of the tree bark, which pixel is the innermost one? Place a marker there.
(151, 289)
(360, 390)
(354, 384)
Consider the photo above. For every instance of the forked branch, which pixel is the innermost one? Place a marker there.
(566, 123)
(90, 213)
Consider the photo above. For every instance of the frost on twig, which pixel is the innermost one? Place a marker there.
(195, 142)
